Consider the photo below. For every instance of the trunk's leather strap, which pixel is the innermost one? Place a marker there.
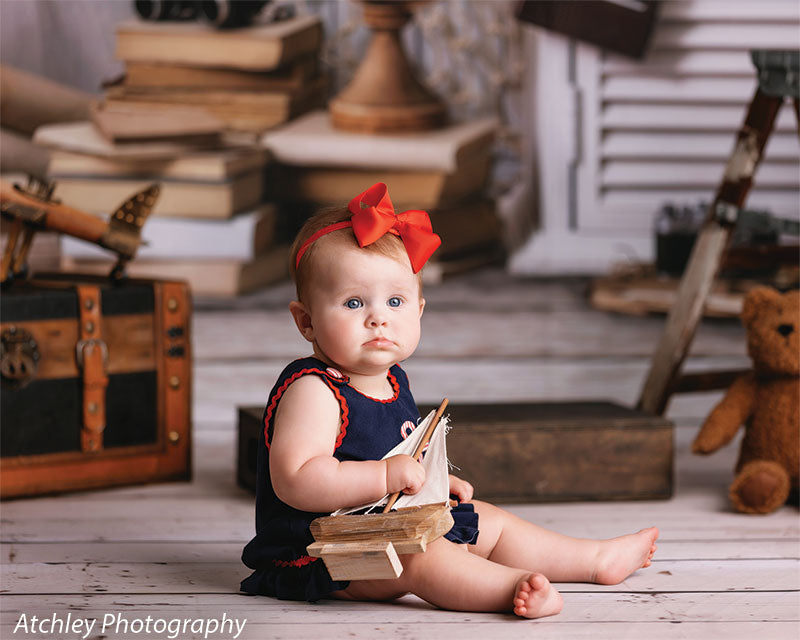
(91, 353)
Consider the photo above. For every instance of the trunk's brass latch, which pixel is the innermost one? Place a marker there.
(19, 357)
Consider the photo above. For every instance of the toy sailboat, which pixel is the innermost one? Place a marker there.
(366, 546)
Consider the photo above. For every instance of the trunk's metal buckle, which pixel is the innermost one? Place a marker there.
(82, 345)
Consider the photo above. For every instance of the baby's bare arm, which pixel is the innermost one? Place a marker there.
(304, 472)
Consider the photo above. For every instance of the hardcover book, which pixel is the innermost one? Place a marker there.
(206, 277)
(259, 47)
(151, 75)
(311, 140)
(242, 237)
(204, 165)
(181, 198)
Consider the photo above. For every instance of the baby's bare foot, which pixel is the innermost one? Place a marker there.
(620, 557)
(535, 597)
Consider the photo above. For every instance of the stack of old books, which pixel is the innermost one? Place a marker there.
(209, 226)
(187, 114)
(251, 78)
(444, 171)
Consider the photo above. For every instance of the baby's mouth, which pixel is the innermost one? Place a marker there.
(380, 343)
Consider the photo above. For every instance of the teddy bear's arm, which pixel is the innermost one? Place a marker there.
(725, 419)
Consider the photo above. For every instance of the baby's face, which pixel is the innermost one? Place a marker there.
(365, 309)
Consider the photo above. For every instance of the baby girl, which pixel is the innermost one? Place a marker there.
(332, 416)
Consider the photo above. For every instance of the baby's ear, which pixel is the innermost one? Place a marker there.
(302, 318)
(421, 306)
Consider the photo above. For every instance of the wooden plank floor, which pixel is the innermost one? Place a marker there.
(171, 551)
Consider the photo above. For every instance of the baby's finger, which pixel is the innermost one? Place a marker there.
(461, 489)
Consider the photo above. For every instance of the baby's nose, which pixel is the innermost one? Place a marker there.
(785, 329)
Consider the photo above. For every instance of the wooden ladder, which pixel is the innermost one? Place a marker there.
(778, 79)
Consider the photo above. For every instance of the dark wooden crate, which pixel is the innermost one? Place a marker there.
(560, 451)
(145, 328)
(538, 452)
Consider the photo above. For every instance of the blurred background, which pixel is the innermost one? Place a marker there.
(595, 143)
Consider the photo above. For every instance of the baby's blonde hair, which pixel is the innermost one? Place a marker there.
(388, 245)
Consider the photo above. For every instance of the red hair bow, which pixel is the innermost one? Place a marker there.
(374, 216)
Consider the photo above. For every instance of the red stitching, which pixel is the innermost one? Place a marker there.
(300, 562)
(345, 414)
(395, 389)
(274, 403)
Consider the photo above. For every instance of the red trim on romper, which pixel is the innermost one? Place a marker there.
(395, 387)
(300, 562)
(342, 404)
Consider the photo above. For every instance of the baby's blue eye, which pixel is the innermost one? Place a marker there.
(354, 303)
(394, 301)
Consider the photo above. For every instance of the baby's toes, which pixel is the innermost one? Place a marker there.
(538, 582)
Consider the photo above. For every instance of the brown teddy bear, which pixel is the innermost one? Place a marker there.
(766, 401)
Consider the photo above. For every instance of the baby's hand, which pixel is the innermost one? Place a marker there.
(460, 488)
(405, 474)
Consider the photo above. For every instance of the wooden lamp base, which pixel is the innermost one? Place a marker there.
(384, 96)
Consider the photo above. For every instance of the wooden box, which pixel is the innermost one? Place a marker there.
(560, 451)
(537, 452)
(96, 384)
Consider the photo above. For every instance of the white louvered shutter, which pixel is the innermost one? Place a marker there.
(614, 138)
(662, 129)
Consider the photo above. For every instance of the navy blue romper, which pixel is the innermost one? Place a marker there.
(370, 428)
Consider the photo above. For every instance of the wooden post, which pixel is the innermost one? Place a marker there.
(707, 253)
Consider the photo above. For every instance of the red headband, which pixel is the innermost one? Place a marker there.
(374, 216)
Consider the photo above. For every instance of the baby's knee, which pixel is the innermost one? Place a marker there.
(487, 509)
(414, 563)
(491, 517)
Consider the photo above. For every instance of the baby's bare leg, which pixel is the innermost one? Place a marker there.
(509, 540)
(448, 577)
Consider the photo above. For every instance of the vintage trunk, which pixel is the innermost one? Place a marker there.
(96, 384)
(538, 452)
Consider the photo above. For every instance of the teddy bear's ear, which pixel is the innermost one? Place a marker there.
(756, 299)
